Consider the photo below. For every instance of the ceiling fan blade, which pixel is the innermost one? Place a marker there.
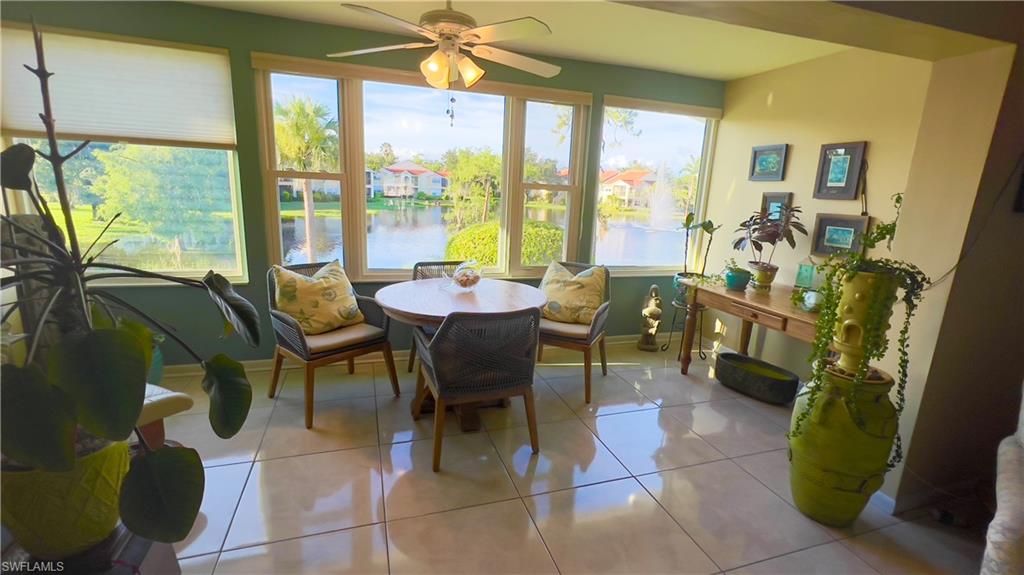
(393, 20)
(507, 30)
(518, 61)
(411, 46)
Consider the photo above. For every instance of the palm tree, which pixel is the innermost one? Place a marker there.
(307, 141)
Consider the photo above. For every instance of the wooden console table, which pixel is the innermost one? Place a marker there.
(773, 310)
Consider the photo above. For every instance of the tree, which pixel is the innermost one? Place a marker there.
(474, 178)
(80, 173)
(537, 169)
(376, 161)
(618, 122)
(684, 188)
(307, 140)
(172, 193)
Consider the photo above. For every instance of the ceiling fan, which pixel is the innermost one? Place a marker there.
(453, 32)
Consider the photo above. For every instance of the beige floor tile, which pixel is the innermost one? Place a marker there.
(471, 473)
(339, 424)
(623, 357)
(494, 538)
(608, 395)
(192, 386)
(194, 431)
(356, 551)
(567, 367)
(395, 422)
(666, 386)
(829, 559)
(223, 490)
(201, 565)
(570, 456)
(382, 383)
(772, 469)
(731, 427)
(921, 547)
(734, 518)
(332, 382)
(651, 440)
(549, 407)
(779, 414)
(614, 527)
(305, 495)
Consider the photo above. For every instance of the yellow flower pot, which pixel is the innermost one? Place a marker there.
(54, 515)
(763, 276)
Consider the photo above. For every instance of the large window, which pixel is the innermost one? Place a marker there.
(307, 167)
(161, 158)
(651, 162)
(434, 182)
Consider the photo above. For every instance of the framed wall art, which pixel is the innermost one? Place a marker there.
(768, 163)
(773, 202)
(840, 168)
(838, 233)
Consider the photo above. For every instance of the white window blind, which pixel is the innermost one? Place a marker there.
(115, 90)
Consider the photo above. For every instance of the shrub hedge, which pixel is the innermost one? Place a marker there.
(542, 242)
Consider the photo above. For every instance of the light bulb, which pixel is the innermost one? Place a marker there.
(435, 70)
(471, 73)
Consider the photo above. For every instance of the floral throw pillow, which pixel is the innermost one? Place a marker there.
(319, 303)
(573, 298)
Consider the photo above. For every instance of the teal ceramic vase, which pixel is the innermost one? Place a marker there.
(736, 279)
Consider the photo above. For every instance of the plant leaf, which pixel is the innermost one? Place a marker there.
(38, 425)
(145, 337)
(689, 219)
(237, 311)
(230, 394)
(104, 372)
(162, 492)
(16, 167)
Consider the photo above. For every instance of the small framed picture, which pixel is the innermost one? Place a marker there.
(773, 202)
(805, 275)
(840, 168)
(768, 163)
(835, 233)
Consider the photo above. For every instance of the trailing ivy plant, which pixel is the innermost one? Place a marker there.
(82, 382)
(910, 282)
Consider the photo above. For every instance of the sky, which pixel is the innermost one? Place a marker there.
(413, 120)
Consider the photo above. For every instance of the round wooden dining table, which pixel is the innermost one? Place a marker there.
(426, 303)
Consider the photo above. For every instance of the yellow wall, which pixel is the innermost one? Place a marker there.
(850, 96)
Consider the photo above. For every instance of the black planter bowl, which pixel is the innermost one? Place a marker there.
(758, 379)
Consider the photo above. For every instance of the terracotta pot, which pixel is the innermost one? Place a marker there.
(764, 275)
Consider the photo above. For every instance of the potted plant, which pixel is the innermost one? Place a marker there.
(762, 229)
(736, 277)
(691, 225)
(845, 427)
(73, 398)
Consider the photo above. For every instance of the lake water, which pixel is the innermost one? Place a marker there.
(396, 239)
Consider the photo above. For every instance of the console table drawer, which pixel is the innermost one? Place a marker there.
(759, 317)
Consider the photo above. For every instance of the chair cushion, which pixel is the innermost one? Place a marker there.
(161, 402)
(343, 337)
(560, 329)
(573, 298)
(320, 303)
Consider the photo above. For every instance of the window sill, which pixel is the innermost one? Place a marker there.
(236, 280)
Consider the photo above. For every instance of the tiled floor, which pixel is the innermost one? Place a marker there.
(659, 473)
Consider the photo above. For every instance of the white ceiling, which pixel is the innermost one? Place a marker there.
(594, 31)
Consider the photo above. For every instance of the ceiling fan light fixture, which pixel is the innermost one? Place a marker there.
(435, 69)
(471, 73)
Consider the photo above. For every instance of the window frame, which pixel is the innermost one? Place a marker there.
(711, 117)
(350, 78)
(19, 205)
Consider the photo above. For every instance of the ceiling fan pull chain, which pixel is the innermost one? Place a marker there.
(450, 112)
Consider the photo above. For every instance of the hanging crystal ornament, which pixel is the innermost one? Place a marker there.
(450, 112)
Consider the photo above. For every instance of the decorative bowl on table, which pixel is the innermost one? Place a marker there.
(466, 276)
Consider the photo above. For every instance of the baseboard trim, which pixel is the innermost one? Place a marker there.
(401, 356)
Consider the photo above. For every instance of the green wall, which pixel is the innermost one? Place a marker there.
(242, 33)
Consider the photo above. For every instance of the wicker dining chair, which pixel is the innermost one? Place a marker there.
(578, 336)
(426, 271)
(344, 343)
(478, 357)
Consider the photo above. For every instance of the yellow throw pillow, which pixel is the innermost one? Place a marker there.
(573, 298)
(319, 303)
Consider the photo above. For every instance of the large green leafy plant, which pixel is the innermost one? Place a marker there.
(88, 351)
(911, 283)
